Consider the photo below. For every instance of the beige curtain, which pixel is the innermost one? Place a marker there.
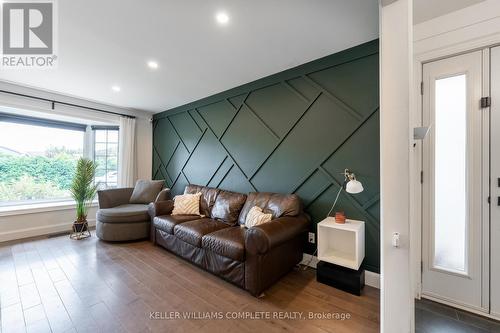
(126, 155)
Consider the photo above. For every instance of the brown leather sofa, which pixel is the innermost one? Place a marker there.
(252, 259)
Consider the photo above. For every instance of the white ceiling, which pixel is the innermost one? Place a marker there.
(105, 43)
(424, 10)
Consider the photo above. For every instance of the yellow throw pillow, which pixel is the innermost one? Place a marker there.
(256, 217)
(187, 204)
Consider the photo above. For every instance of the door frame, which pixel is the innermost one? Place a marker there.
(416, 151)
(494, 187)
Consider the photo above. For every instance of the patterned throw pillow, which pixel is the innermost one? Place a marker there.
(187, 204)
(256, 217)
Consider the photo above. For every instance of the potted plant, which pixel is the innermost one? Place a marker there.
(83, 190)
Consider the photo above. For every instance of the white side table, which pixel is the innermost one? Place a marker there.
(341, 244)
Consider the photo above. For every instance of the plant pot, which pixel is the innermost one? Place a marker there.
(80, 226)
(340, 217)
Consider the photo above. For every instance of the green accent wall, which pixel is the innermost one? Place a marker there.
(291, 132)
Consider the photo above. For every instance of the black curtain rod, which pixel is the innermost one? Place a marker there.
(53, 101)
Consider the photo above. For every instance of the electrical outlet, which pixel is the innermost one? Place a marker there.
(312, 239)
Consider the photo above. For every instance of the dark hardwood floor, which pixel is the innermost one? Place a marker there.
(432, 317)
(62, 285)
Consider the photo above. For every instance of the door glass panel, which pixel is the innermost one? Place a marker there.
(450, 211)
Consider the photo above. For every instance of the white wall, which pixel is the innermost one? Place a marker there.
(466, 29)
(424, 10)
(395, 86)
(28, 223)
(39, 222)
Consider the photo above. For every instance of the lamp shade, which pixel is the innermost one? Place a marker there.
(353, 186)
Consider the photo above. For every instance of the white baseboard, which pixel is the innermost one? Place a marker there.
(372, 279)
(38, 231)
(309, 260)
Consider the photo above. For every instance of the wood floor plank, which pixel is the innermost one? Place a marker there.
(41, 326)
(60, 285)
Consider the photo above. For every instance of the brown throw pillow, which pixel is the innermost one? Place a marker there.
(146, 191)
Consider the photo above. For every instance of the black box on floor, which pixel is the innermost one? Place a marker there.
(341, 277)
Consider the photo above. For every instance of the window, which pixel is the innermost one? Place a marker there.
(106, 155)
(37, 158)
(451, 174)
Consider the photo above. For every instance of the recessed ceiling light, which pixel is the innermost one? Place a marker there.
(152, 64)
(116, 88)
(222, 18)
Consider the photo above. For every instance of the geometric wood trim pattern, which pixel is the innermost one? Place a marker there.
(292, 132)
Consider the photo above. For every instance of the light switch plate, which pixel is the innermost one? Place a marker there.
(395, 239)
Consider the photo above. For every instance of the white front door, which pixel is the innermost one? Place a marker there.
(455, 183)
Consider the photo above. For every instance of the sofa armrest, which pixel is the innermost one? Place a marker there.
(114, 197)
(160, 208)
(164, 195)
(262, 238)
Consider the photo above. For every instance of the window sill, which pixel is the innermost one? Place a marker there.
(39, 208)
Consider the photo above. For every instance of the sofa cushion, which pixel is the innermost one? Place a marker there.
(207, 199)
(146, 191)
(168, 222)
(227, 206)
(228, 242)
(277, 204)
(191, 232)
(124, 214)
